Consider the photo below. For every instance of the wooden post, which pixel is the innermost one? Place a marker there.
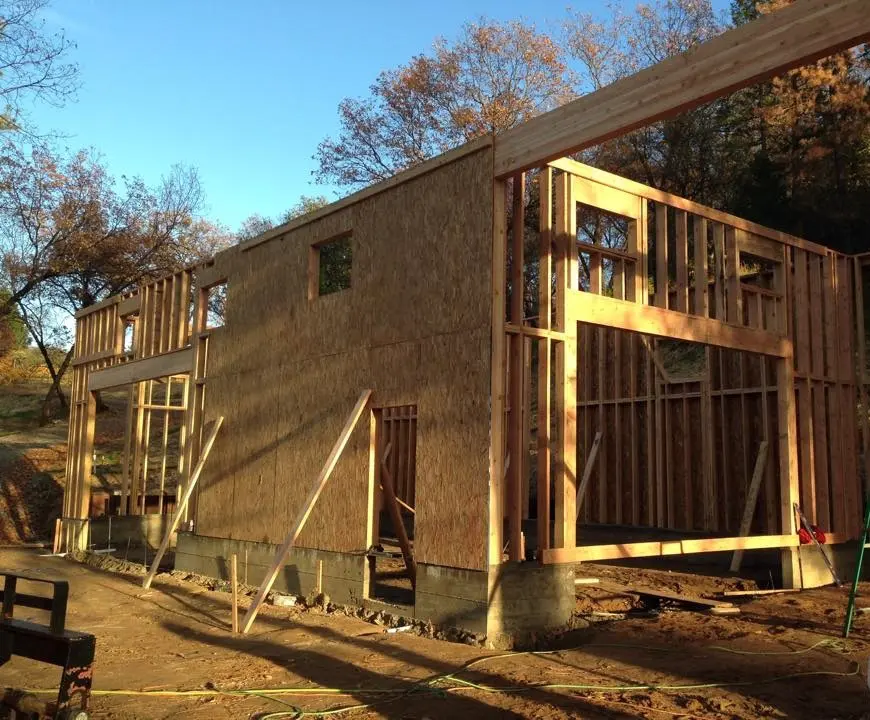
(55, 548)
(234, 579)
(497, 380)
(129, 432)
(545, 273)
(515, 348)
(165, 448)
(661, 294)
(179, 510)
(307, 507)
(565, 492)
(788, 471)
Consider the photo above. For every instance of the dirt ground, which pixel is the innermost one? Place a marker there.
(33, 459)
(176, 637)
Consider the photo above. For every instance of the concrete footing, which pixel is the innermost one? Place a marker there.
(510, 604)
(814, 571)
(339, 575)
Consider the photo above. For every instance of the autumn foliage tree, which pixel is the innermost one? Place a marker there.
(33, 63)
(492, 77)
(71, 235)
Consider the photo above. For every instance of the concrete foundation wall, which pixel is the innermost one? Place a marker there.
(452, 597)
(140, 530)
(343, 574)
(509, 603)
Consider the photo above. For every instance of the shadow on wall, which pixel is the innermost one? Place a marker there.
(30, 501)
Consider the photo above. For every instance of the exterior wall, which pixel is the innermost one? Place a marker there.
(284, 371)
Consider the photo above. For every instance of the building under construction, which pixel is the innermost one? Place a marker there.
(501, 363)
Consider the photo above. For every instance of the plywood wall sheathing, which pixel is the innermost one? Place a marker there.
(415, 326)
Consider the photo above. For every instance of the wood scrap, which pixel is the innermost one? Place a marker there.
(745, 593)
(662, 595)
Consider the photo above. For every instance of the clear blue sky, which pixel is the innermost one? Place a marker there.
(242, 91)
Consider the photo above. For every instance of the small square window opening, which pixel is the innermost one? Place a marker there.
(330, 269)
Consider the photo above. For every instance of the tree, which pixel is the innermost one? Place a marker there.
(682, 155)
(54, 341)
(13, 331)
(494, 76)
(70, 237)
(257, 224)
(305, 205)
(252, 226)
(33, 63)
(804, 142)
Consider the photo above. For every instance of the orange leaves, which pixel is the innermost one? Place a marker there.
(493, 76)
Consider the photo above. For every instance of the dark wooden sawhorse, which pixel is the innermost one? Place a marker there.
(53, 644)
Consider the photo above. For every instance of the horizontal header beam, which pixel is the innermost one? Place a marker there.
(152, 368)
(792, 36)
(649, 320)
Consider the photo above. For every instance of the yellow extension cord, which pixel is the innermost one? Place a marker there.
(437, 685)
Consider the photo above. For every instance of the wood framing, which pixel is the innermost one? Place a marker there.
(676, 359)
(649, 320)
(180, 510)
(137, 371)
(596, 553)
(792, 36)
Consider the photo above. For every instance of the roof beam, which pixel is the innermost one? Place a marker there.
(795, 35)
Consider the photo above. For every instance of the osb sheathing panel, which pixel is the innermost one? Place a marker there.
(414, 327)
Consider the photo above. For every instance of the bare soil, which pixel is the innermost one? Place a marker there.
(176, 637)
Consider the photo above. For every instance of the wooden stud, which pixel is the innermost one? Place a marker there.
(702, 298)
(516, 394)
(733, 293)
(164, 451)
(719, 270)
(829, 290)
(662, 283)
(234, 581)
(860, 334)
(126, 455)
(681, 253)
(565, 490)
(545, 273)
(527, 427)
(497, 382)
(803, 358)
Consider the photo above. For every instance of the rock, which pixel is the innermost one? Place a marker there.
(284, 600)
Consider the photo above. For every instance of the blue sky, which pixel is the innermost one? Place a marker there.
(242, 91)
